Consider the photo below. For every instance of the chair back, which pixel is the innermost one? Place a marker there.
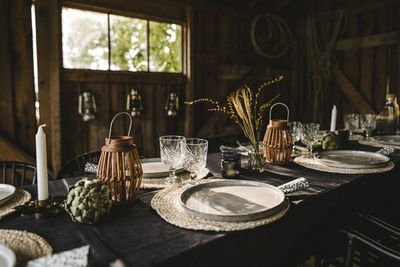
(76, 166)
(17, 173)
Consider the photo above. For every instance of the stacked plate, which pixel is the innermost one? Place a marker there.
(6, 192)
(154, 168)
(393, 140)
(7, 256)
(353, 159)
(233, 200)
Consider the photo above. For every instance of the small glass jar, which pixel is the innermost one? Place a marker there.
(256, 160)
(230, 164)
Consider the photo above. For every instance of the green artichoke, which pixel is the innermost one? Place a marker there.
(330, 141)
(88, 201)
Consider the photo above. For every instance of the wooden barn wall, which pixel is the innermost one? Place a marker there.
(81, 136)
(364, 67)
(17, 98)
(218, 39)
(225, 60)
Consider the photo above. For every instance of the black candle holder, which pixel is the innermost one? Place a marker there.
(50, 207)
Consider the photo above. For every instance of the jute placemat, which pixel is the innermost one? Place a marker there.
(313, 163)
(159, 183)
(166, 203)
(26, 246)
(374, 143)
(19, 198)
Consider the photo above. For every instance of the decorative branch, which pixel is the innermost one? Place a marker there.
(242, 108)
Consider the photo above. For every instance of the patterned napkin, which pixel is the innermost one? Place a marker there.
(78, 257)
(90, 167)
(386, 151)
(295, 185)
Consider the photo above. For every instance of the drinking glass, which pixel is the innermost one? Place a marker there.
(351, 122)
(195, 157)
(368, 123)
(296, 130)
(310, 135)
(172, 148)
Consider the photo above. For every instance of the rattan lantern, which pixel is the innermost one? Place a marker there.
(278, 141)
(120, 166)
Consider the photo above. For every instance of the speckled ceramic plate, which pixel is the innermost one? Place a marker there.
(389, 140)
(352, 159)
(235, 200)
(6, 192)
(154, 168)
(7, 256)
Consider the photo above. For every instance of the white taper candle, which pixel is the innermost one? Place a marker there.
(41, 164)
(333, 118)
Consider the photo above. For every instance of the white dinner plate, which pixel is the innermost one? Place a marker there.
(7, 256)
(352, 159)
(393, 140)
(6, 192)
(154, 168)
(233, 200)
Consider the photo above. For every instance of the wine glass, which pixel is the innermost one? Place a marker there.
(310, 135)
(351, 122)
(368, 123)
(296, 130)
(195, 157)
(172, 148)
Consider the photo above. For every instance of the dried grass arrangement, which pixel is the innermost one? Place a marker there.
(244, 108)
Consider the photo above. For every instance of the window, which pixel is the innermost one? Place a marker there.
(98, 41)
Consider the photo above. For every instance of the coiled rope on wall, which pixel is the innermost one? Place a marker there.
(278, 36)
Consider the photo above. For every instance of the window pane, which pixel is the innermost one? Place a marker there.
(128, 43)
(165, 47)
(85, 39)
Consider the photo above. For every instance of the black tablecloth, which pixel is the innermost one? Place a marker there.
(138, 236)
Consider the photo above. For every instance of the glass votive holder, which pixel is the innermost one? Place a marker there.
(230, 164)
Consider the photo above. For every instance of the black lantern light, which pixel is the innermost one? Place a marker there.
(134, 103)
(172, 105)
(87, 106)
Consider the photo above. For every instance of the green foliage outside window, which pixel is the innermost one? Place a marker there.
(85, 43)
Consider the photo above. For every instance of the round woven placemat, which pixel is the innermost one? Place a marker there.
(314, 164)
(19, 198)
(159, 183)
(26, 246)
(374, 143)
(166, 203)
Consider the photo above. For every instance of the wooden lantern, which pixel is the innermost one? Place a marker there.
(278, 141)
(120, 166)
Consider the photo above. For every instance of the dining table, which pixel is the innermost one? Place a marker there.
(135, 234)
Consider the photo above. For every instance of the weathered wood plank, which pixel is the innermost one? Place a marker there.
(367, 58)
(148, 130)
(140, 9)
(11, 152)
(73, 135)
(48, 32)
(368, 41)
(353, 9)
(7, 127)
(190, 85)
(22, 69)
(351, 61)
(98, 129)
(380, 63)
(352, 94)
(99, 76)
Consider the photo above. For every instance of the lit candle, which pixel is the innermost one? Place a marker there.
(41, 164)
(333, 118)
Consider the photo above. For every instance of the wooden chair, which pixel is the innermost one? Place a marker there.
(18, 173)
(76, 166)
(366, 241)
